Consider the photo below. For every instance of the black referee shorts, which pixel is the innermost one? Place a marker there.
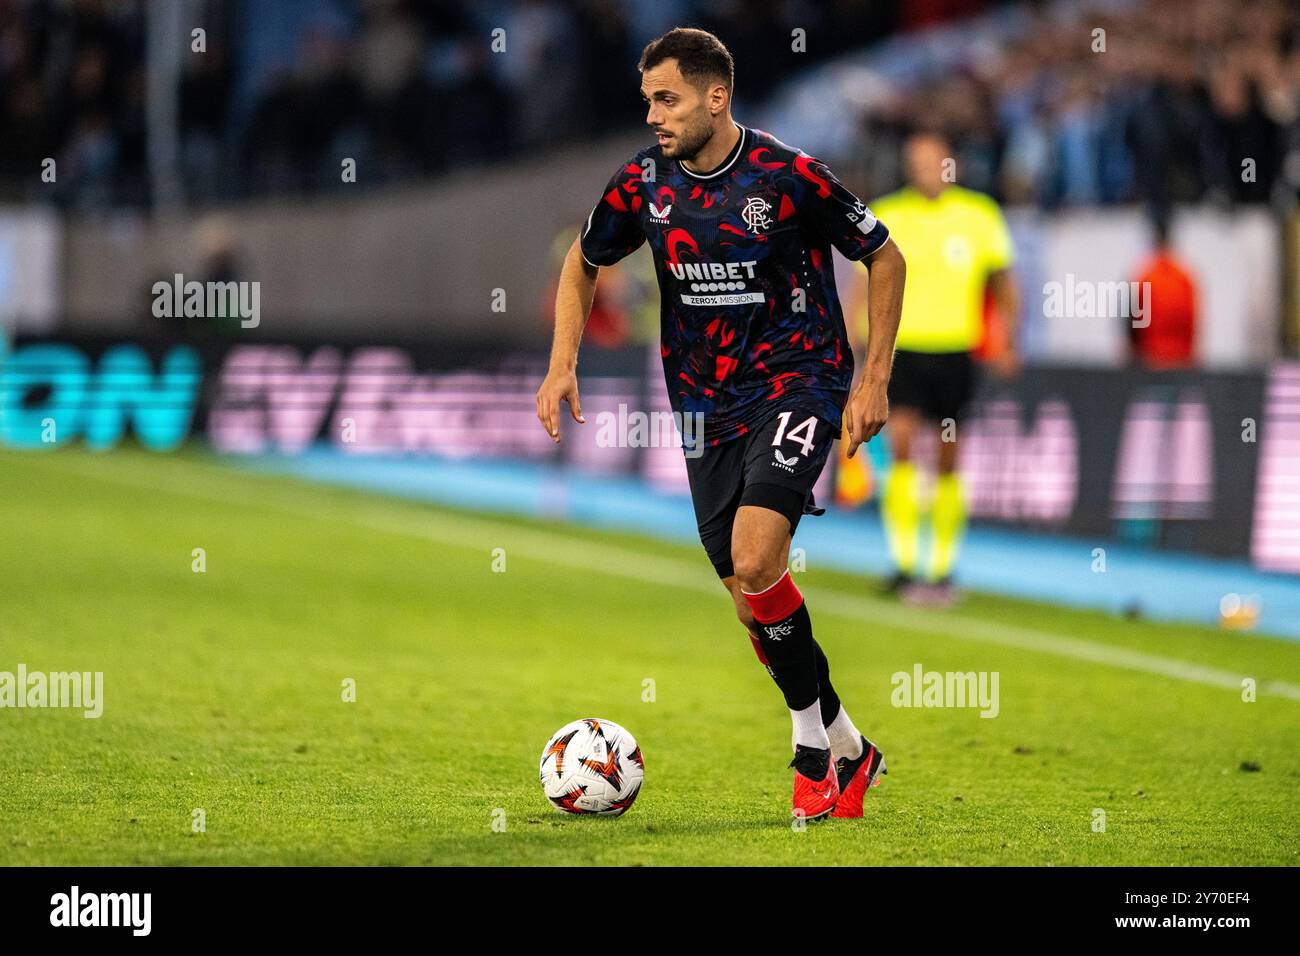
(774, 466)
(938, 384)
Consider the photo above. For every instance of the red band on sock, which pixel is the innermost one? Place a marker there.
(758, 649)
(775, 603)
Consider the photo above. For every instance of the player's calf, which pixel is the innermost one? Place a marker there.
(785, 638)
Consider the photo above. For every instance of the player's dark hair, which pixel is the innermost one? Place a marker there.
(699, 54)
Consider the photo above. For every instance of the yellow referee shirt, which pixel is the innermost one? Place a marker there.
(951, 245)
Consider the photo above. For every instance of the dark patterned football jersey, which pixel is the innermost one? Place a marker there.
(749, 313)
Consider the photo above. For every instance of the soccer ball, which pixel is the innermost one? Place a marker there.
(592, 766)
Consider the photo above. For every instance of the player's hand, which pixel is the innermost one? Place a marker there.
(866, 413)
(559, 385)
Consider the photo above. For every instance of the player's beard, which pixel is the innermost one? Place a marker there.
(692, 140)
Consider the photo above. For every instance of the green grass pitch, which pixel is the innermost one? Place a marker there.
(223, 692)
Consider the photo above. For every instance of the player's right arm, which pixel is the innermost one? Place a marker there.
(611, 232)
(573, 298)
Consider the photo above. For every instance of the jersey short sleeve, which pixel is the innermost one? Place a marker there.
(828, 209)
(613, 230)
(999, 251)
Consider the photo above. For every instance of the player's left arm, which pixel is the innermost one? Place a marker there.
(855, 311)
(831, 210)
(868, 406)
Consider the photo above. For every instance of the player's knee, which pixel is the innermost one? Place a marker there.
(756, 571)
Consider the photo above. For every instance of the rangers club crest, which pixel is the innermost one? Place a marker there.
(755, 214)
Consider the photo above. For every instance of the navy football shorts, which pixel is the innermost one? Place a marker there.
(774, 465)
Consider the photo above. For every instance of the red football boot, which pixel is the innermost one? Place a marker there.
(855, 776)
(816, 786)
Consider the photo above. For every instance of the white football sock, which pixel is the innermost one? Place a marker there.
(844, 737)
(808, 729)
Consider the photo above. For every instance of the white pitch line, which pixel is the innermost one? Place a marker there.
(555, 548)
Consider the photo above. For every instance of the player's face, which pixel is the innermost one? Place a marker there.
(678, 111)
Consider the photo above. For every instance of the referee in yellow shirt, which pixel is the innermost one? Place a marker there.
(956, 242)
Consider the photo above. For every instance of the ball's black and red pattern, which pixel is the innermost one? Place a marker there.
(749, 308)
(592, 766)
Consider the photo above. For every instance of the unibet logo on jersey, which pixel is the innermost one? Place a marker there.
(749, 310)
(726, 277)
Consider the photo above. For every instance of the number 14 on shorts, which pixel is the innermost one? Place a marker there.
(801, 434)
